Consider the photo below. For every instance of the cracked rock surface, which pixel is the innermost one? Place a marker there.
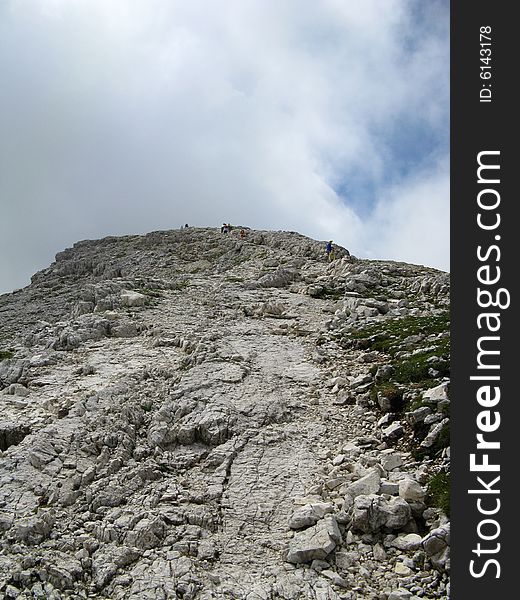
(188, 414)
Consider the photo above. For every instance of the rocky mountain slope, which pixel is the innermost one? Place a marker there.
(188, 414)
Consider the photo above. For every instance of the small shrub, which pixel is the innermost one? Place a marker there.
(416, 403)
(5, 354)
(438, 492)
(443, 441)
(389, 391)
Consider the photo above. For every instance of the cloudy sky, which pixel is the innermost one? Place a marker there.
(327, 117)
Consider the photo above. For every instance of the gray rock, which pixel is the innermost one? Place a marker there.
(400, 594)
(436, 394)
(407, 542)
(319, 565)
(387, 419)
(335, 578)
(82, 308)
(131, 298)
(393, 431)
(12, 371)
(207, 550)
(434, 418)
(379, 552)
(369, 484)
(411, 491)
(148, 533)
(381, 306)
(433, 435)
(309, 514)
(316, 542)
(34, 529)
(402, 569)
(124, 330)
(391, 461)
(371, 513)
(437, 541)
(389, 487)
(17, 389)
(279, 278)
(61, 570)
(345, 560)
(360, 380)
(41, 453)
(416, 417)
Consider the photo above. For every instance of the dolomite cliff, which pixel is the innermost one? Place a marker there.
(187, 414)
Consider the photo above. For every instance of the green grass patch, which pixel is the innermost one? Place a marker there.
(388, 336)
(416, 368)
(5, 354)
(438, 492)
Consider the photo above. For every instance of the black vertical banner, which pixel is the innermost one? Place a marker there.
(484, 270)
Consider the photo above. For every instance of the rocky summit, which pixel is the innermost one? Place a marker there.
(204, 415)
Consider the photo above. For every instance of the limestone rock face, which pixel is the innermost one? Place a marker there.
(191, 414)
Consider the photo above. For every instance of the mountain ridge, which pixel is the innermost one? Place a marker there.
(193, 414)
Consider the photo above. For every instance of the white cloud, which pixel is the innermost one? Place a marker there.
(125, 116)
(411, 221)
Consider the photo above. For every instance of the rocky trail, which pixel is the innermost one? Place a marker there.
(191, 415)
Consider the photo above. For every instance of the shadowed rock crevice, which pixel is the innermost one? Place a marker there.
(12, 434)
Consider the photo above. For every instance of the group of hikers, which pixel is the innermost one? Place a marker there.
(226, 228)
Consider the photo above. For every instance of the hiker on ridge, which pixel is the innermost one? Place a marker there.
(328, 250)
